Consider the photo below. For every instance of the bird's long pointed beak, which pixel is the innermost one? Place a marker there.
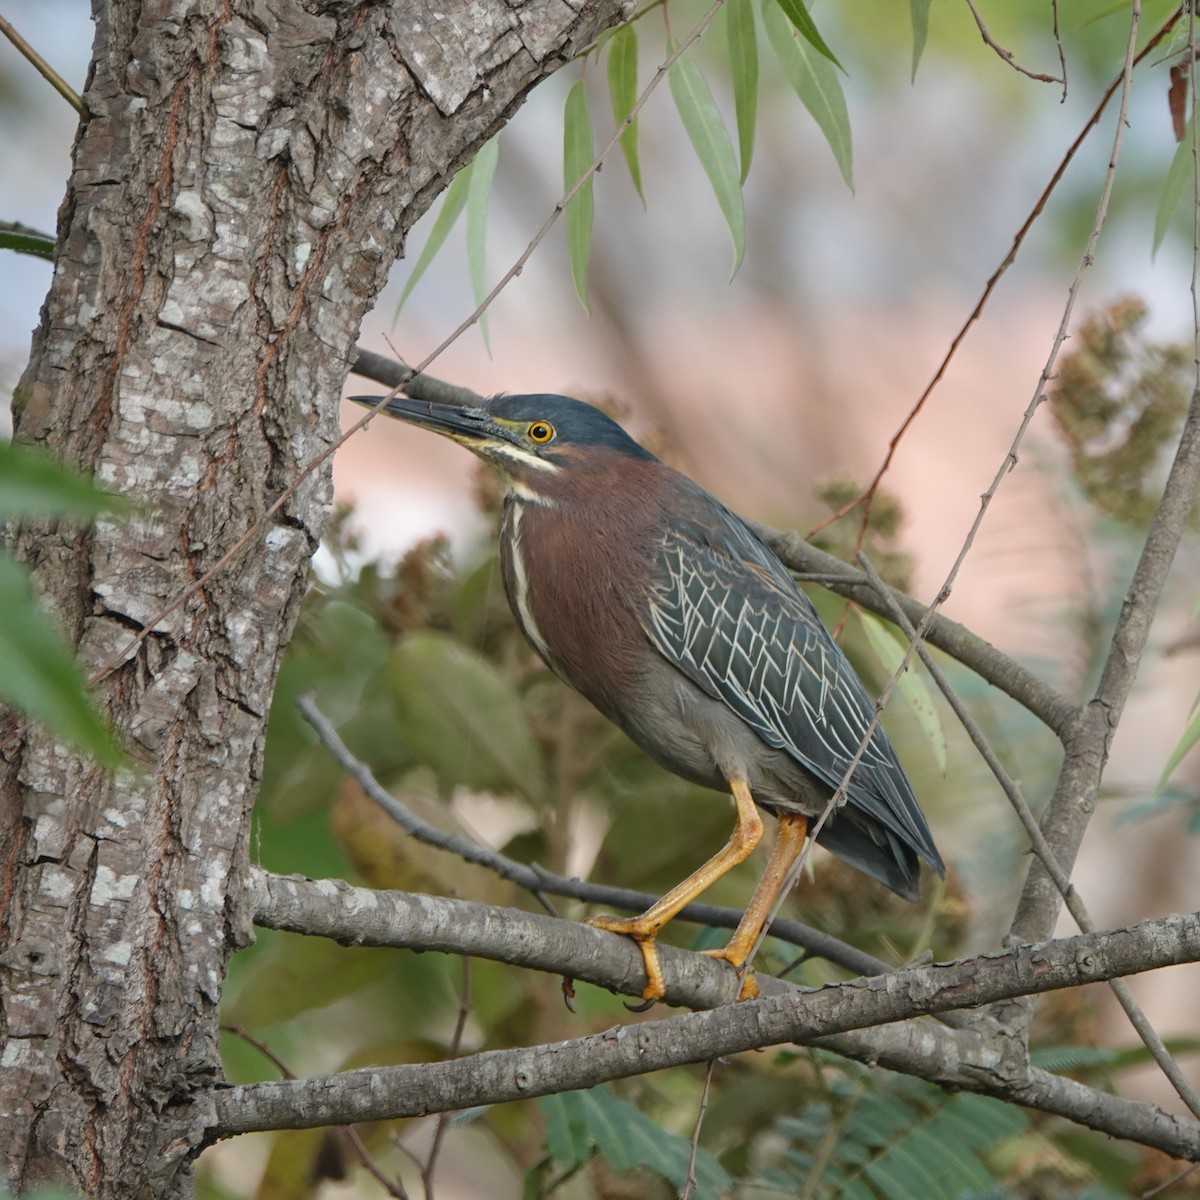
(470, 426)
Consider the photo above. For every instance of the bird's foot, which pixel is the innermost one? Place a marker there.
(631, 927)
(749, 988)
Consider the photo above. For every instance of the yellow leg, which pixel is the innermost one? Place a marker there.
(793, 830)
(747, 833)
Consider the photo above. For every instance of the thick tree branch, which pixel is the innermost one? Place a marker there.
(1016, 681)
(797, 1016)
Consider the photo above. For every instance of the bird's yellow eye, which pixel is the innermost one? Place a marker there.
(540, 432)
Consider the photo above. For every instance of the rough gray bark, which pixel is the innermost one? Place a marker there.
(247, 177)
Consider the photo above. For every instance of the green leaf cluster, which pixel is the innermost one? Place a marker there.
(469, 190)
(807, 62)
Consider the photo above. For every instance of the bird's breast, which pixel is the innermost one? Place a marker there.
(516, 580)
(573, 586)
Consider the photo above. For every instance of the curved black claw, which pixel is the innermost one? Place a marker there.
(645, 1006)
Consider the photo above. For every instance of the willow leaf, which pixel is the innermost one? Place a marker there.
(577, 161)
(478, 190)
(799, 16)
(1179, 179)
(704, 127)
(622, 87)
(452, 205)
(1191, 735)
(815, 81)
(26, 243)
(919, 12)
(743, 68)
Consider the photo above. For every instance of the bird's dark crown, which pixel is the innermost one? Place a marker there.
(575, 424)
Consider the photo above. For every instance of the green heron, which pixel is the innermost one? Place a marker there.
(653, 600)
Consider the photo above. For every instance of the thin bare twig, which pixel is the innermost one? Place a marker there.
(1164, 1187)
(1058, 43)
(691, 1181)
(182, 598)
(443, 1120)
(391, 1185)
(1008, 56)
(262, 1048)
(44, 69)
(1193, 50)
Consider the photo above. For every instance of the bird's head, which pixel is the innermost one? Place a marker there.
(538, 443)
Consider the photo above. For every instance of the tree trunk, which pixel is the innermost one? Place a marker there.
(247, 177)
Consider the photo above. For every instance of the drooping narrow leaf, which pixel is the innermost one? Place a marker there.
(919, 12)
(799, 16)
(26, 243)
(577, 158)
(31, 484)
(911, 685)
(622, 87)
(1191, 735)
(452, 205)
(1175, 186)
(816, 83)
(707, 133)
(39, 676)
(479, 188)
(743, 68)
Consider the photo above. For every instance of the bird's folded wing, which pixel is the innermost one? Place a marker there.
(726, 613)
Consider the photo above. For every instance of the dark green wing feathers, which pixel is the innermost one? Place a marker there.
(726, 612)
